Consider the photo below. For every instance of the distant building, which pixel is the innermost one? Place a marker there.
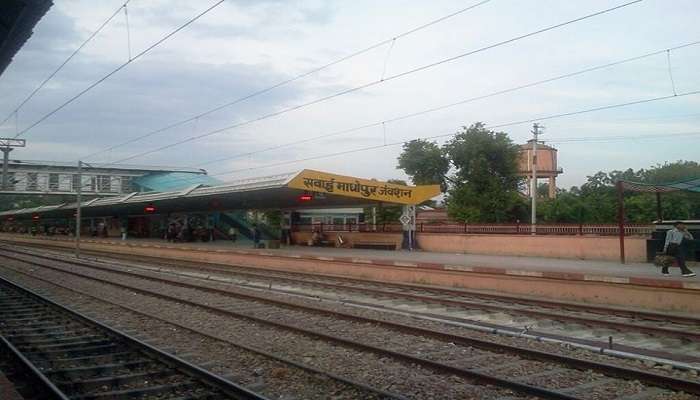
(49, 177)
(547, 167)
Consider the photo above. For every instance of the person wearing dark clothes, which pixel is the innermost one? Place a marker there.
(676, 245)
(255, 232)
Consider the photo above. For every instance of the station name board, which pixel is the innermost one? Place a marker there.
(316, 181)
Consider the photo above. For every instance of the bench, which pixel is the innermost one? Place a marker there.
(375, 245)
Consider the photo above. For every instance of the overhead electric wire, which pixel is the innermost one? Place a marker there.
(63, 64)
(588, 139)
(519, 122)
(376, 82)
(445, 106)
(119, 68)
(287, 81)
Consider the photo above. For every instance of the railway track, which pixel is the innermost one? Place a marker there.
(529, 372)
(665, 336)
(52, 352)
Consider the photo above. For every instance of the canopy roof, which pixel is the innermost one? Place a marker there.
(691, 185)
(268, 192)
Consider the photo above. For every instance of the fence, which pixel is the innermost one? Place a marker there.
(481, 229)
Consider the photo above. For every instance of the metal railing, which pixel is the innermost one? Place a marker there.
(486, 229)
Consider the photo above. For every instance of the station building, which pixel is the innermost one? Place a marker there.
(217, 208)
(61, 178)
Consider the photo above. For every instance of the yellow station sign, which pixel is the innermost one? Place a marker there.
(322, 182)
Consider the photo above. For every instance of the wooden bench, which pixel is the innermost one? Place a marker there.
(375, 245)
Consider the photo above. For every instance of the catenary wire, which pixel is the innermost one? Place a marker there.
(589, 139)
(119, 68)
(286, 81)
(446, 106)
(373, 83)
(63, 64)
(496, 126)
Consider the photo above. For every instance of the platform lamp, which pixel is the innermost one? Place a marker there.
(79, 191)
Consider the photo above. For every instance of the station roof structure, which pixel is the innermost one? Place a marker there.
(17, 20)
(40, 164)
(285, 191)
(691, 185)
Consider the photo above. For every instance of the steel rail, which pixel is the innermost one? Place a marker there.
(35, 376)
(404, 357)
(231, 389)
(589, 321)
(381, 393)
(590, 308)
(607, 369)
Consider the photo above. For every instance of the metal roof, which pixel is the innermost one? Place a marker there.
(280, 191)
(106, 166)
(263, 192)
(690, 185)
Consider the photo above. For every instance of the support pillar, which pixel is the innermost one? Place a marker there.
(552, 187)
(5, 161)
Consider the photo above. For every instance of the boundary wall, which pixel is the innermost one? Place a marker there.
(587, 247)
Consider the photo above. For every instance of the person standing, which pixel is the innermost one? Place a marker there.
(232, 234)
(676, 245)
(255, 232)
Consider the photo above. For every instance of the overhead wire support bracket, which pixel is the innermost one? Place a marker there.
(670, 71)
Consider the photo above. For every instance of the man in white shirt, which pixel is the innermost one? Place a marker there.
(676, 245)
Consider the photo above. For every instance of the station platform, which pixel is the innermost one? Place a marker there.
(629, 285)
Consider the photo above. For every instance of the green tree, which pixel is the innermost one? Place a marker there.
(485, 182)
(425, 163)
(386, 214)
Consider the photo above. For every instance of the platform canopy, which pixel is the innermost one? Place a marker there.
(691, 185)
(305, 189)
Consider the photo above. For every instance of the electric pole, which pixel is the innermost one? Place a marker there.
(77, 209)
(79, 192)
(6, 146)
(533, 182)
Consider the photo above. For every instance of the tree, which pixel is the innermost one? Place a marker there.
(425, 163)
(386, 214)
(486, 180)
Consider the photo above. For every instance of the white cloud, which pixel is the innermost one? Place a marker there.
(244, 46)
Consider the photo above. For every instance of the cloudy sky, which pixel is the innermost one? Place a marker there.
(245, 46)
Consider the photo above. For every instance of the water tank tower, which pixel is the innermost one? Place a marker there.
(546, 165)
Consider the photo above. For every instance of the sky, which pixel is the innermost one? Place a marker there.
(242, 47)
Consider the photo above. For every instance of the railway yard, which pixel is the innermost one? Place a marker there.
(243, 332)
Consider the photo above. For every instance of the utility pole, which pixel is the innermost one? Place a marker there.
(79, 191)
(6, 146)
(533, 182)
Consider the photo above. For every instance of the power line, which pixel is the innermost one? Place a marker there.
(622, 137)
(119, 68)
(63, 64)
(287, 81)
(446, 106)
(520, 122)
(374, 83)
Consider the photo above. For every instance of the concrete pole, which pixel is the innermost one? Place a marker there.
(621, 218)
(77, 210)
(5, 161)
